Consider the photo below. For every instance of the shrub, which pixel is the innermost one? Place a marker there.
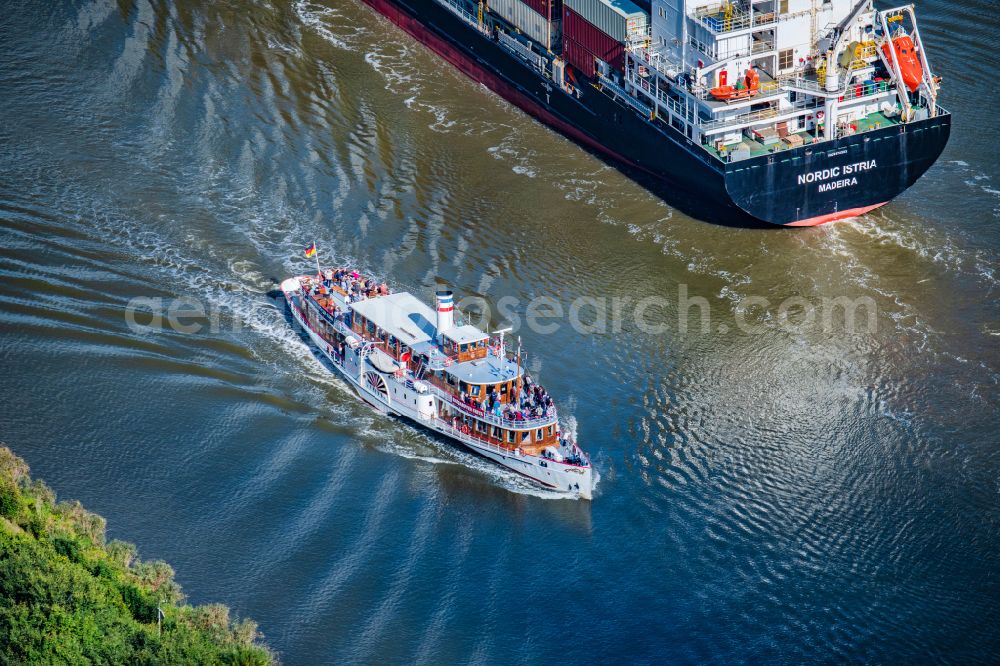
(68, 548)
(68, 598)
(10, 504)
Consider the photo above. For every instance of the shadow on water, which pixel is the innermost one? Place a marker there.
(673, 194)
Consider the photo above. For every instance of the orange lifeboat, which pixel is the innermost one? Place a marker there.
(730, 93)
(909, 63)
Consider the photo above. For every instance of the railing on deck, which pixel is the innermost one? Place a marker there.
(523, 52)
(859, 90)
(763, 114)
(724, 17)
(802, 83)
(462, 13)
(625, 96)
(491, 418)
(645, 85)
(478, 440)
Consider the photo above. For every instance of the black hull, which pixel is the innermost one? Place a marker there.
(856, 173)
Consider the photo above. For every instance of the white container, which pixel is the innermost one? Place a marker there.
(619, 19)
(532, 24)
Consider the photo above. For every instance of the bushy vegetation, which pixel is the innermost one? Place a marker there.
(66, 596)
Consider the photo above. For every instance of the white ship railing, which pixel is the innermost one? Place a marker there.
(714, 18)
(753, 117)
(659, 95)
(462, 13)
(657, 61)
(799, 82)
(625, 96)
(523, 52)
(549, 419)
(474, 440)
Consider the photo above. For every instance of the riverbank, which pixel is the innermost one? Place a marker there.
(67, 596)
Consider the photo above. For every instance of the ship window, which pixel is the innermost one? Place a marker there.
(510, 435)
(525, 435)
(550, 430)
(463, 348)
(786, 58)
(475, 389)
(496, 432)
(539, 435)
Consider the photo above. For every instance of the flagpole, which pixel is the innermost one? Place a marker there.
(319, 272)
(517, 393)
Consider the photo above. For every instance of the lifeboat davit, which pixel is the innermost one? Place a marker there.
(728, 93)
(909, 63)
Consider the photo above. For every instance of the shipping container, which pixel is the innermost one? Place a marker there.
(623, 20)
(543, 7)
(577, 57)
(583, 41)
(532, 24)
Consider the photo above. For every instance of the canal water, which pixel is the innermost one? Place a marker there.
(796, 430)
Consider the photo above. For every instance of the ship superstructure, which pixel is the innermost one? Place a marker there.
(794, 112)
(404, 358)
(762, 76)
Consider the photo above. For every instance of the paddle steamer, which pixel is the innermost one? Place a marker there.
(403, 358)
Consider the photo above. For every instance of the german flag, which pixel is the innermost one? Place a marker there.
(311, 250)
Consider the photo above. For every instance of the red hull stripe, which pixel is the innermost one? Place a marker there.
(833, 217)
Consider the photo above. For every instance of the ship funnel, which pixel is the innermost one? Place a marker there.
(445, 311)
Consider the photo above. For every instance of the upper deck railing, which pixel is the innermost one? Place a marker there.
(549, 419)
(724, 17)
(761, 115)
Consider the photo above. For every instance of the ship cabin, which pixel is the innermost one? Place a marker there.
(481, 391)
(395, 323)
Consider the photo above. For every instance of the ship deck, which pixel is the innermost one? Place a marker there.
(870, 122)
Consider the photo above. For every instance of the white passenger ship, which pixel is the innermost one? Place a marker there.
(402, 357)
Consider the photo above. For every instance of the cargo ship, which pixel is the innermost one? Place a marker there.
(788, 112)
(403, 358)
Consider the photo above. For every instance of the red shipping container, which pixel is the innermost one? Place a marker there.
(578, 57)
(541, 6)
(582, 41)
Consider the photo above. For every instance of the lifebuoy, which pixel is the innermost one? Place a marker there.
(465, 429)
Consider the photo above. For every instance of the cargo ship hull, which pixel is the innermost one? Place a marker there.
(801, 186)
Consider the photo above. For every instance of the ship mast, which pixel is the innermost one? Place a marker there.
(517, 393)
